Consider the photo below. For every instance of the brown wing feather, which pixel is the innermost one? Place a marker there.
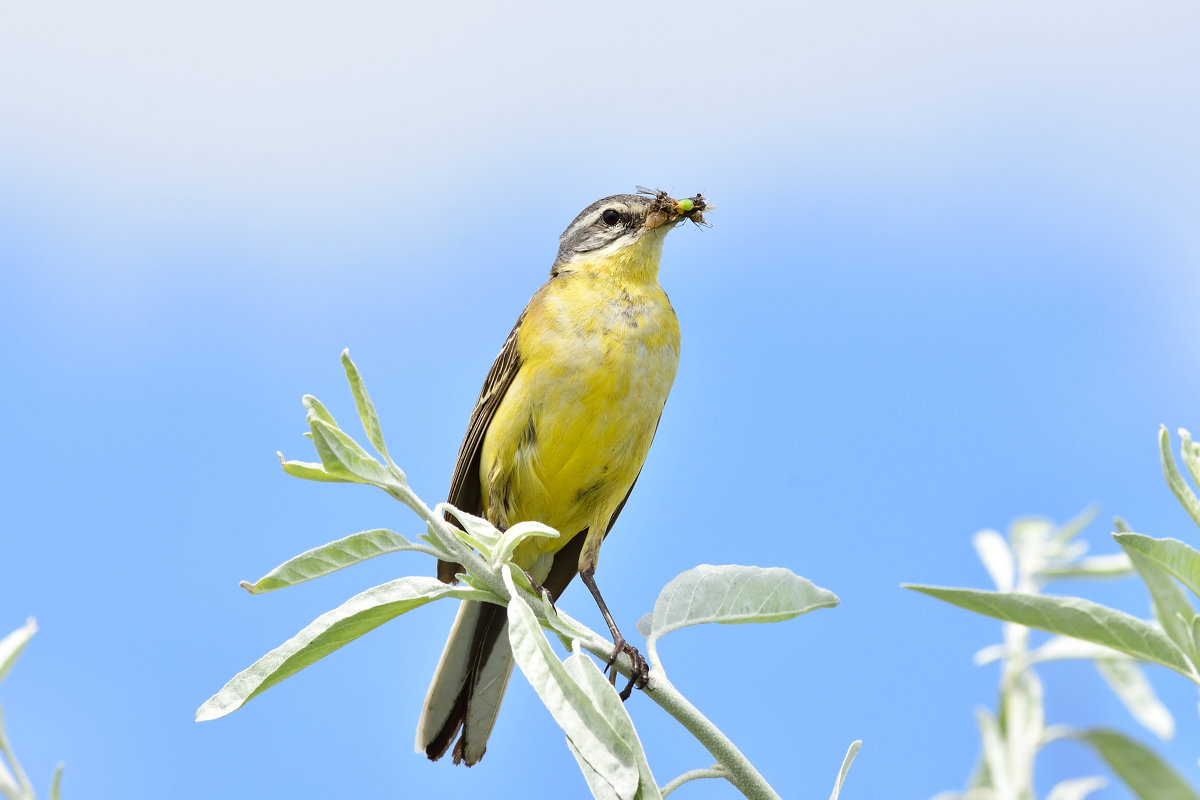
(465, 491)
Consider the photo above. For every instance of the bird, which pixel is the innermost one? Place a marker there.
(558, 435)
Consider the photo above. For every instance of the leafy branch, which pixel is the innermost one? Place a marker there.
(1115, 641)
(599, 731)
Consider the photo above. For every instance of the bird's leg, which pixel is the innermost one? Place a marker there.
(541, 591)
(639, 671)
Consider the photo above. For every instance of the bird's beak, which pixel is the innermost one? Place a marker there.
(666, 210)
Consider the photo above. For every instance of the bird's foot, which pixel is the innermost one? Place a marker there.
(639, 673)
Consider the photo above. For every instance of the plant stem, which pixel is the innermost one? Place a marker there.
(693, 775)
(736, 767)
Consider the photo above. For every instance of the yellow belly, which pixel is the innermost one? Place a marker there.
(571, 434)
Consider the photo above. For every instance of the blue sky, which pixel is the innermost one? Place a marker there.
(952, 279)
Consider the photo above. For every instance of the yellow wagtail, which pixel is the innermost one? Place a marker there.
(558, 435)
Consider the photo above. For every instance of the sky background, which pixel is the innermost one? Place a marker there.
(952, 279)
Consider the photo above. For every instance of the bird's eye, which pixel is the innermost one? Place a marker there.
(610, 217)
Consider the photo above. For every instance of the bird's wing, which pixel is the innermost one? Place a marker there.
(465, 490)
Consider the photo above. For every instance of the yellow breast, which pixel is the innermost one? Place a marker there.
(598, 358)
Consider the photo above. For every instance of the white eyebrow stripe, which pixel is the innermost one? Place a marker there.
(592, 218)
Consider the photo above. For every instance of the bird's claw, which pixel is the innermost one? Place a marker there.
(639, 672)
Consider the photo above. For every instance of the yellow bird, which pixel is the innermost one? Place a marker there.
(559, 435)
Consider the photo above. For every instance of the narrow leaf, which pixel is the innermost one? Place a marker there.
(846, 762)
(1116, 565)
(733, 595)
(1178, 485)
(1129, 683)
(592, 737)
(12, 645)
(995, 755)
(599, 787)
(1075, 526)
(1024, 725)
(1058, 648)
(311, 472)
(1167, 598)
(340, 453)
(56, 783)
(1172, 555)
(512, 538)
(1142, 770)
(475, 531)
(1071, 616)
(8, 785)
(986, 655)
(21, 787)
(366, 409)
(317, 410)
(997, 558)
(360, 614)
(331, 557)
(608, 703)
(1191, 454)
(1075, 788)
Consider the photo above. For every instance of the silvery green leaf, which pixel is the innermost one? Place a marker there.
(8, 785)
(475, 531)
(366, 409)
(1168, 599)
(1075, 788)
(312, 472)
(1072, 616)
(997, 558)
(1058, 648)
(1115, 565)
(846, 762)
(993, 652)
(599, 787)
(17, 787)
(995, 755)
(733, 595)
(610, 759)
(56, 783)
(317, 410)
(360, 614)
(1139, 767)
(608, 703)
(1191, 454)
(332, 557)
(1172, 555)
(12, 645)
(1075, 526)
(340, 454)
(1024, 724)
(1129, 683)
(1179, 486)
(515, 535)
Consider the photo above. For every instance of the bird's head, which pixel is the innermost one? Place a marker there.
(625, 232)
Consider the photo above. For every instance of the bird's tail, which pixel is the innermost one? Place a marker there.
(468, 686)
